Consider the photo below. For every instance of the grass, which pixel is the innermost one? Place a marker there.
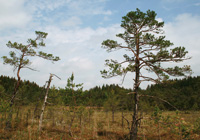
(96, 124)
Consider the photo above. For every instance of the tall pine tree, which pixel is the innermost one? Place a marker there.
(148, 51)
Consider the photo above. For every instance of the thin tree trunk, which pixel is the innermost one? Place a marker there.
(45, 100)
(71, 123)
(74, 112)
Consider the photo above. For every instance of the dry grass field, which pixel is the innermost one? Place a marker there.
(96, 124)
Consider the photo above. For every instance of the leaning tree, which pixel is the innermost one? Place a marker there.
(148, 51)
(19, 58)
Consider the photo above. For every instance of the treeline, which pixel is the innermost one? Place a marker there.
(181, 94)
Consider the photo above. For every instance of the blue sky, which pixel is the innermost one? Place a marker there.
(76, 29)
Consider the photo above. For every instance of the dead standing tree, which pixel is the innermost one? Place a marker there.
(45, 100)
(35, 114)
(148, 50)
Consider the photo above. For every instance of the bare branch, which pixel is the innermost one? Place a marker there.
(148, 79)
(31, 69)
(149, 65)
(123, 78)
(56, 76)
(127, 122)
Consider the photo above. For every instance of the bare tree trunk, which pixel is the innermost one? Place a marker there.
(45, 100)
(37, 104)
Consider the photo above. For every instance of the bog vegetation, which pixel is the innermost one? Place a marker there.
(168, 109)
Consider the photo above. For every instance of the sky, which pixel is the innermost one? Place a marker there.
(76, 29)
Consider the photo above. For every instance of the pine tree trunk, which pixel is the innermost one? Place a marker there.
(134, 124)
(18, 80)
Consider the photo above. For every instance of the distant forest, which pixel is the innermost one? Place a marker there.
(182, 94)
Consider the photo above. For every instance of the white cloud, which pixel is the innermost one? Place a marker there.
(72, 22)
(80, 63)
(6, 69)
(185, 31)
(80, 52)
(88, 7)
(67, 8)
(159, 19)
(197, 4)
(13, 13)
(50, 5)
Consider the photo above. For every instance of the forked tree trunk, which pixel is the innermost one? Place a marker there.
(45, 100)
